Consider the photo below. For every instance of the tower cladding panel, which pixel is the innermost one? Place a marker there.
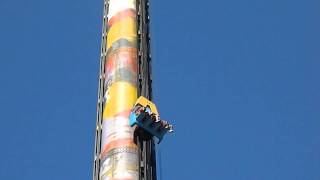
(119, 153)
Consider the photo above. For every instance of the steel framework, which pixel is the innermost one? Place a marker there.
(145, 142)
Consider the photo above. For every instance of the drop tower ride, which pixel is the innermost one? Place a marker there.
(126, 125)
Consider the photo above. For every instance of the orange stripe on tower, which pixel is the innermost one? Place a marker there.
(128, 142)
(122, 58)
(121, 15)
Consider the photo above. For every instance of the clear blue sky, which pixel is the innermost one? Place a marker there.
(238, 79)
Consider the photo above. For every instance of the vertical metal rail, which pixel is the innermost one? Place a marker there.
(101, 90)
(145, 142)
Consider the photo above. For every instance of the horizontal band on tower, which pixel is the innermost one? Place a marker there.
(116, 128)
(121, 15)
(121, 97)
(127, 142)
(122, 43)
(122, 58)
(122, 165)
(122, 75)
(126, 28)
(119, 151)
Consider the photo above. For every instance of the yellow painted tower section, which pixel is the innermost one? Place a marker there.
(119, 153)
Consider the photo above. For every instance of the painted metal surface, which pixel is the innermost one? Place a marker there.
(119, 153)
(126, 28)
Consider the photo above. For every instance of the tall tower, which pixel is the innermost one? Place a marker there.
(125, 74)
